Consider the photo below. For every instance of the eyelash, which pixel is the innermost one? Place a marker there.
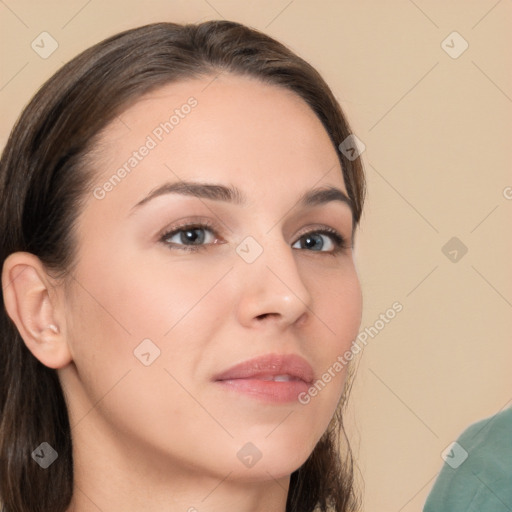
(339, 241)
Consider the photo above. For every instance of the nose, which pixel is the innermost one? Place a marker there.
(272, 290)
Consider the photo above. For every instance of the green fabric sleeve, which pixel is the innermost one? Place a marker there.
(483, 481)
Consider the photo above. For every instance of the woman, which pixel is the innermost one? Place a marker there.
(178, 280)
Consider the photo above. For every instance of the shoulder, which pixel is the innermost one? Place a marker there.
(478, 475)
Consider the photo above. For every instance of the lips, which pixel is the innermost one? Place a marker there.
(270, 378)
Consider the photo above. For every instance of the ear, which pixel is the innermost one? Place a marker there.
(31, 303)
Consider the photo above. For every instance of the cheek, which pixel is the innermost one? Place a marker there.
(143, 298)
(344, 311)
(337, 303)
(338, 309)
(116, 308)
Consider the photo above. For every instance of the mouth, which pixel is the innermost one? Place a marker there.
(277, 378)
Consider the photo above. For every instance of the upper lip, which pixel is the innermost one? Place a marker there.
(270, 365)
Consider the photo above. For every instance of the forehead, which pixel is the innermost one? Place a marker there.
(227, 128)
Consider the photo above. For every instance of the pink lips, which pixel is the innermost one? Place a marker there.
(271, 378)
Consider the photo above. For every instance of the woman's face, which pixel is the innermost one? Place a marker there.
(157, 318)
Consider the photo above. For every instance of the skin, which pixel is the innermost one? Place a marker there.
(164, 436)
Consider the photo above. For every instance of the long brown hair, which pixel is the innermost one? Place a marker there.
(44, 177)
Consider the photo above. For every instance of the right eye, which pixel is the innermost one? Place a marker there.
(190, 237)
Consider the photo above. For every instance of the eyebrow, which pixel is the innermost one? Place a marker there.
(234, 195)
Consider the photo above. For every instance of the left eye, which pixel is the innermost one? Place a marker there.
(324, 241)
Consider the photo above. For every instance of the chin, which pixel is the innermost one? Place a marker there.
(275, 457)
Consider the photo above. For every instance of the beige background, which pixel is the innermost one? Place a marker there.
(437, 157)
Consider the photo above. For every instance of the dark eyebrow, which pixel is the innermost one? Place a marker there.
(232, 194)
(318, 196)
(197, 189)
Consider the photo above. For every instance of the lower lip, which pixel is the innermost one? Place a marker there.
(267, 390)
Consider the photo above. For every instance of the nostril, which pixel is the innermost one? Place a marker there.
(263, 316)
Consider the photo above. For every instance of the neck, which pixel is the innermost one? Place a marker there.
(109, 474)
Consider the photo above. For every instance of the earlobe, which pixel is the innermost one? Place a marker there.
(28, 301)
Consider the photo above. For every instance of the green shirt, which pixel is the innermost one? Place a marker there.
(477, 473)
